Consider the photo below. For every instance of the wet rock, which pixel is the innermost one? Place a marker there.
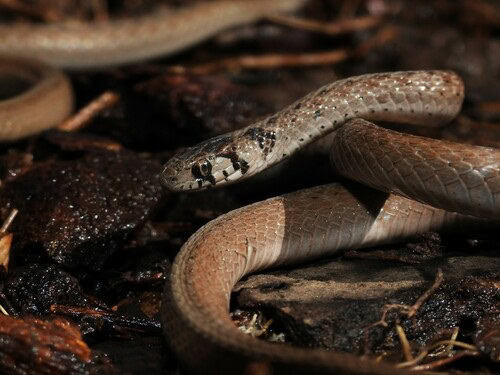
(331, 303)
(36, 346)
(79, 212)
(31, 289)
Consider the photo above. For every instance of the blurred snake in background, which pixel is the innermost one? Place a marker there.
(438, 183)
(81, 45)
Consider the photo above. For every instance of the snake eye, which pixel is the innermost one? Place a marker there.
(201, 169)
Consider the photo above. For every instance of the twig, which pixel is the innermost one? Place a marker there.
(437, 282)
(460, 344)
(410, 311)
(265, 62)
(8, 221)
(6, 241)
(425, 353)
(444, 361)
(329, 28)
(453, 339)
(289, 60)
(137, 324)
(3, 311)
(87, 113)
(419, 358)
(404, 343)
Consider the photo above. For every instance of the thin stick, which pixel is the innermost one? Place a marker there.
(468, 348)
(87, 113)
(444, 361)
(404, 343)
(3, 311)
(329, 28)
(289, 60)
(8, 221)
(437, 282)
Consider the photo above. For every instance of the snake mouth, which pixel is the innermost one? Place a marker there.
(177, 180)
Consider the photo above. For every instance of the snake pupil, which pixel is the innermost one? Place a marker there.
(202, 170)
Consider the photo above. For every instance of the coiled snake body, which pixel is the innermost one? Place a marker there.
(455, 180)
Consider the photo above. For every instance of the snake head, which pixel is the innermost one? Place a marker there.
(215, 162)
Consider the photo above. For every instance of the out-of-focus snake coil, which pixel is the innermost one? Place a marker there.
(26, 48)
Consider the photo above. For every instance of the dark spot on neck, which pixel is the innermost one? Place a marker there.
(266, 138)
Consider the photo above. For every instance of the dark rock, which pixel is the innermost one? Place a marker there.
(330, 304)
(79, 212)
(33, 288)
(36, 346)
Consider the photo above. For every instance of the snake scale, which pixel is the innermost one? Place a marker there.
(438, 183)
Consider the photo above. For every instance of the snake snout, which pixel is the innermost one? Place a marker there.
(168, 178)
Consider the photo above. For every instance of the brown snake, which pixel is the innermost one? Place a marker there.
(84, 45)
(286, 229)
(457, 180)
(48, 101)
(164, 31)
